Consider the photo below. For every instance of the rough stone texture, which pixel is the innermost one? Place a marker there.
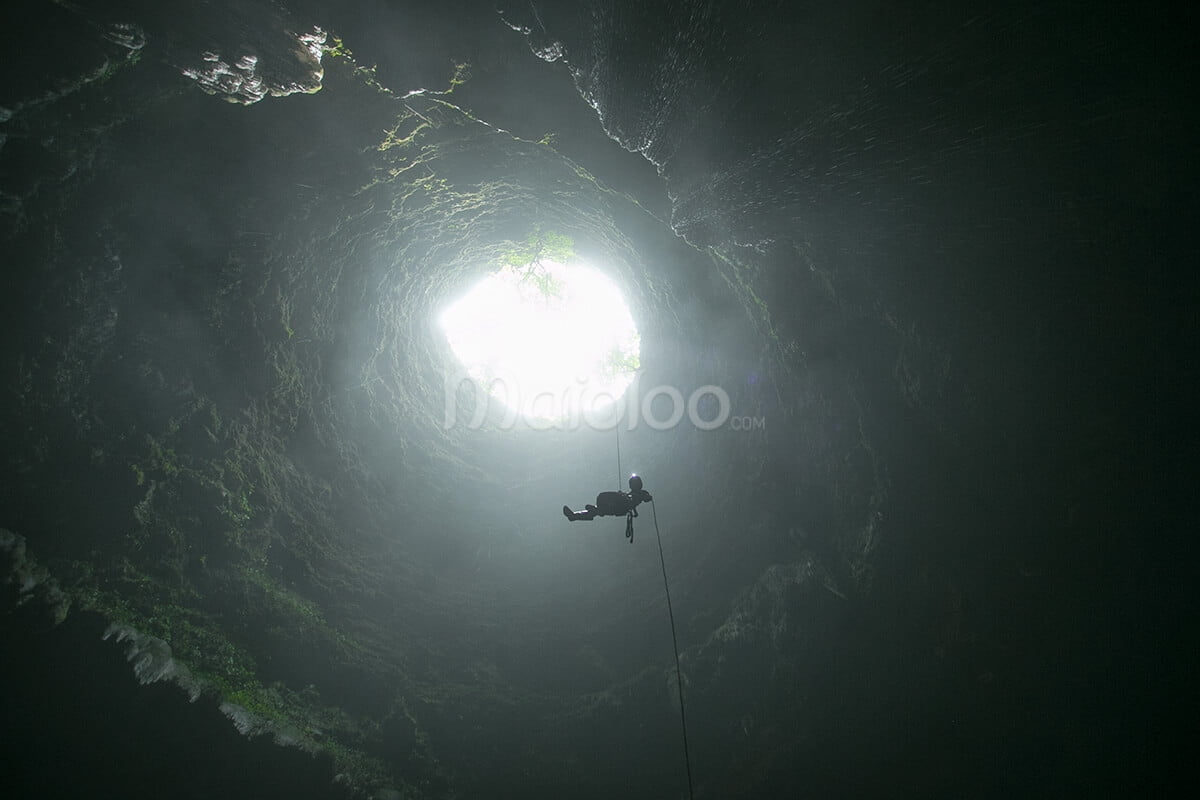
(915, 250)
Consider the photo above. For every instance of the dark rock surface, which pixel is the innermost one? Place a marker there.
(940, 258)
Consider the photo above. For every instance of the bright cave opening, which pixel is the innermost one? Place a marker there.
(552, 342)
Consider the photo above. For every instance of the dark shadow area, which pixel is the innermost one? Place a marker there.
(939, 259)
(79, 724)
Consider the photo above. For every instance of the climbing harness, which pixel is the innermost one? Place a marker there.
(632, 513)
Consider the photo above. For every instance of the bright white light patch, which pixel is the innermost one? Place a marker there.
(547, 340)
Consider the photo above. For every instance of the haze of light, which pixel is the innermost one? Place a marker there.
(547, 340)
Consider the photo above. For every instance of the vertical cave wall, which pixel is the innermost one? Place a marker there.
(897, 251)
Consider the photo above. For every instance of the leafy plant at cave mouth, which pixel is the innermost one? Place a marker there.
(529, 259)
(622, 360)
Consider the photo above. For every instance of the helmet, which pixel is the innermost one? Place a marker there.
(635, 483)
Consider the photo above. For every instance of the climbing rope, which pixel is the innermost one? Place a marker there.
(687, 760)
(620, 475)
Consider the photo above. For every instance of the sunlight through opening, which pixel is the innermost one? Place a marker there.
(549, 341)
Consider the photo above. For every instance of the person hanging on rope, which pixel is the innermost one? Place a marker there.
(613, 504)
